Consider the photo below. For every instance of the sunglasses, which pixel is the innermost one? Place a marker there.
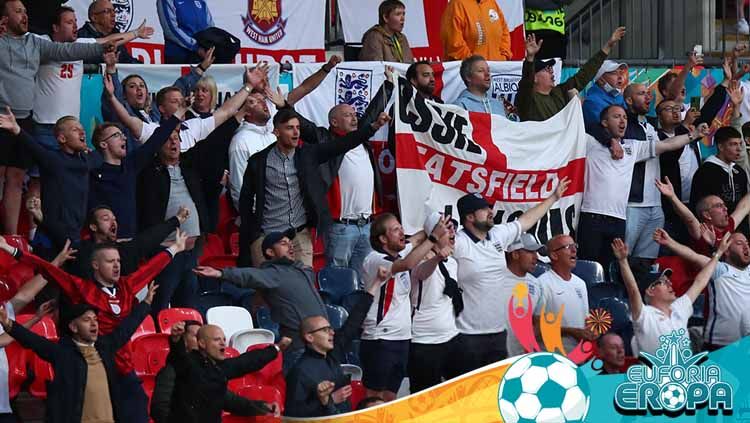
(661, 281)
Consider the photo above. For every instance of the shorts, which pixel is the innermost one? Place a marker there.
(384, 363)
(12, 151)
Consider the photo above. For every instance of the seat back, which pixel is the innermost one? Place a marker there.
(337, 315)
(540, 268)
(147, 344)
(43, 374)
(170, 316)
(156, 361)
(336, 282)
(146, 327)
(209, 299)
(268, 394)
(590, 271)
(622, 322)
(358, 393)
(45, 327)
(247, 337)
(353, 370)
(264, 320)
(231, 319)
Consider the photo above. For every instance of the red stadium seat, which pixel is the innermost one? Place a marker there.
(230, 352)
(156, 360)
(147, 344)
(268, 394)
(16, 367)
(358, 393)
(146, 327)
(234, 243)
(170, 316)
(45, 327)
(219, 262)
(269, 374)
(214, 246)
(43, 373)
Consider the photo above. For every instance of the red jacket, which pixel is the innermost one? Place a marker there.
(111, 310)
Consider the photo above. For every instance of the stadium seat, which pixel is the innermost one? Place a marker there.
(540, 269)
(230, 352)
(590, 271)
(231, 319)
(350, 300)
(209, 299)
(45, 327)
(352, 356)
(142, 346)
(603, 290)
(43, 374)
(609, 296)
(337, 315)
(258, 392)
(146, 327)
(337, 282)
(156, 360)
(245, 338)
(213, 246)
(271, 374)
(170, 316)
(351, 369)
(263, 320)
(220, 261)
(358, 393)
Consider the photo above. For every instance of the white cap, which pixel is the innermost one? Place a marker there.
(609, 66)
(431, 221)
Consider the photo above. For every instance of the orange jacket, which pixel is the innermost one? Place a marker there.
(469, 27)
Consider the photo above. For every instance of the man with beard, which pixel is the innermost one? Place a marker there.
(480, 253)
(475, 72)
(608, 180)
(663, 312)
(421, 75)
(729, 289)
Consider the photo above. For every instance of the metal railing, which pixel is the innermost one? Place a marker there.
(660, 32)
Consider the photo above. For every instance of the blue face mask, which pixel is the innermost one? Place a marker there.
(610, 89)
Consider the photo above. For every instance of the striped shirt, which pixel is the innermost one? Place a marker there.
(283, 208)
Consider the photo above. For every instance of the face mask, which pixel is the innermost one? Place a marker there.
(610, 89)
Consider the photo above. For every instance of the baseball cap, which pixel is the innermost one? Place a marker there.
(526, 242)
(73, 312)
(470, 203)
(543, 64)
(609, 66)
(274, 237)
(646, 282)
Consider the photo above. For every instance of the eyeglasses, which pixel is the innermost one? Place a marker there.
(107, 11)
(324, 328)
(673, 109)
(116, 135)
(568, 246)
(718, 206)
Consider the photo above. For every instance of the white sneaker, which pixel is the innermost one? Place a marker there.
(742, 27)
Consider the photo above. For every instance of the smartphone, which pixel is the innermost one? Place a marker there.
(448, 212)
(695, 103)
(698, 50)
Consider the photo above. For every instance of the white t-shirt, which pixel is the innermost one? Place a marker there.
(197, 130)
(247, 140)
(653, 323)
(514, 347)
(433, 320)
(607, 181)
(480, 266)
(730, 292)
(688, 166)
(357, 183)
(57, 92)
(389, 316)
(5, 368)
(651, 195)
(557, 292)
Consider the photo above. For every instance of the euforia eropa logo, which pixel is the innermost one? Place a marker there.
(675, 383)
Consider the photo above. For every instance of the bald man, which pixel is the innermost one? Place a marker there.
(560, 287)
(202, 375)
(611, 352)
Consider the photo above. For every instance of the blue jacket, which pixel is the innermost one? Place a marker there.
(474, 103)
(597, 100)
(180, 20)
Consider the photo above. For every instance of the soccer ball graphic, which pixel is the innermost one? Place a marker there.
(672, 396)
(543, 388)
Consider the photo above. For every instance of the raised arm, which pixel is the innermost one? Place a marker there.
(44, 348)
(662, 238)
(531, 216)
(312, 82)
(620, 249)
(150, 240)
(704, 276)
(328, 150)
(417, 254)
(244, 277)
(591, 67)
(122, 333)
(742, 209)
(252, 79)
(134, 125)
(50, 51)
(46, 308)
(147, 272)
(676, 87)
(248, 362)
(688, 218)
(679, 141)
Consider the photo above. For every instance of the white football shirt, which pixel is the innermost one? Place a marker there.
(389, 316)
(557, 292)
(433, 319)
(195, 129)
(729, 293)
(653, 323)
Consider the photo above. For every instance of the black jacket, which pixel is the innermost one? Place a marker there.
(198, 165)
(313, 368)
(66, 391)
(307, 160)
(670, 167)
(201, 383)
(330, 170)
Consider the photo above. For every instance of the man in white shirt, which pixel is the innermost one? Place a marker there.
(522, 258)
(384, 350)
(170, 99)
(560, 287)
(728, 289)
(663, 311)
(254, 134)
(435, 303)
(608, 182)
(480, 253)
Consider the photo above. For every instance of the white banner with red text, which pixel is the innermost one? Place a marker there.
(444, 152)
(356, 83)
(271, 30)
(422, 25)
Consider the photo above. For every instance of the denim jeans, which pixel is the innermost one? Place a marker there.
(640, 225)
(347, 246)
(178, 285)
(595, 235)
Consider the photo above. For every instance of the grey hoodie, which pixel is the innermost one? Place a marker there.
(20, 58)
